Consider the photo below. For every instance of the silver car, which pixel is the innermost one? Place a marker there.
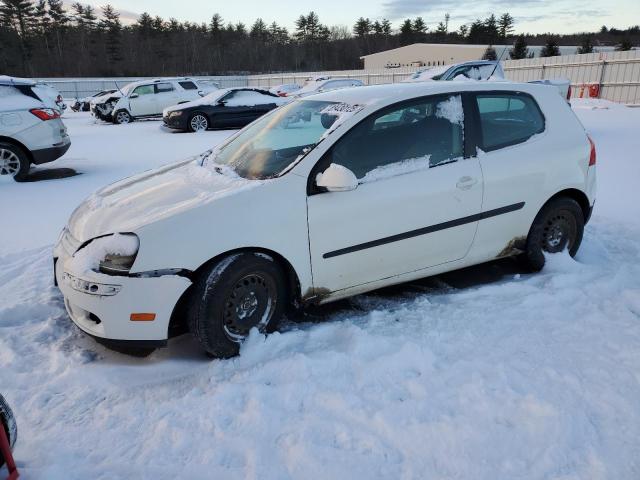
(31, 130)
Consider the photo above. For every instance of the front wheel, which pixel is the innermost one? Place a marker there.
(198, 122)
(558, 226)
(14, 162)
(241, 292)
(122, 117)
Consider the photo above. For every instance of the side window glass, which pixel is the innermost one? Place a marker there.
(507, 119)
(163, 87)
(188, 85)
(144, 90)
(421, 134)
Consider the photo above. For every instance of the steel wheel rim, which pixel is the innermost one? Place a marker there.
(123, 117)
(559, 232)
(250, 304)
(199, 123)
(9, 163)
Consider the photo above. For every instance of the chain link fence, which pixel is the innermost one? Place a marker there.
(615, 75)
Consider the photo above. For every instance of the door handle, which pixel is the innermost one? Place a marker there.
(465, 183)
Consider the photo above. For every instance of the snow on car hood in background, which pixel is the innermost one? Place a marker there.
(151, 196)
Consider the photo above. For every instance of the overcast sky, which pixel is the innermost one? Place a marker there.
(536, 16)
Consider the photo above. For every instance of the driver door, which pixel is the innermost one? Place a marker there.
(416, 204)
(142, 101)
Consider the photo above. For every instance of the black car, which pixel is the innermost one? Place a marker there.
(226, 108)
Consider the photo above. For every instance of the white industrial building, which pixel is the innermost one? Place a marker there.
(429, 54)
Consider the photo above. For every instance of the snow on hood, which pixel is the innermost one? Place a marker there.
(152, 196)
(426, 74)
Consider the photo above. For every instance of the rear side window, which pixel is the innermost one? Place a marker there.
(507, 119)
(188, 85)
(163, 87)
(427, 132)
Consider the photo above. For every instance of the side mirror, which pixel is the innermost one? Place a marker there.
(134, 95)
(337, 178)
(201, 93)
(222, 103)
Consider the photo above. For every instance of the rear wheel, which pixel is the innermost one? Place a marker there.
(14, 162)
(198, 122)
(122, 117)
(241, 292)
(558, 226)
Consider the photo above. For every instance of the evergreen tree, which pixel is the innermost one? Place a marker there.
(111, 26)
(519, 50)
(362, 27)
(505, 26)
(406, 33)
(419, 30)
(491, 30)
(624, 45)
(550, 48)
(17, 14)
(586, 46)
(490, 54)
(463, 31)
(386, 27)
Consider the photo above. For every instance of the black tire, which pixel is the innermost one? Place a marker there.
(198, 118)
(122, 117)
(8, 423)
(14, 161)
(558, 226)
(240, 292)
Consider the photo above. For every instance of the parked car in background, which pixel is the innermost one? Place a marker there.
(474, 70)
(285, 89)
(84, 104)
(10, 428)
(225, 108)
(562, 84)
(31, 130)
(147, 98)
(324, 198)
(315, 85)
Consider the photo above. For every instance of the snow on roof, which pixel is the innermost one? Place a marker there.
(7, 80)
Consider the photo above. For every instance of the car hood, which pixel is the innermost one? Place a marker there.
(152, 196)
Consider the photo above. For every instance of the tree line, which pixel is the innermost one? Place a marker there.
(42, 38)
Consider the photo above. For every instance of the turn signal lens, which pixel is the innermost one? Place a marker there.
(142, 317)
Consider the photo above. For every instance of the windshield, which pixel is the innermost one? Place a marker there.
(273, 142)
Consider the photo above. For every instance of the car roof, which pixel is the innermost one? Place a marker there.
(7, 80)
(151, 81)
(376, 96)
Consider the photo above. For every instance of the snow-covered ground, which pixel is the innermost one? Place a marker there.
(485, 374)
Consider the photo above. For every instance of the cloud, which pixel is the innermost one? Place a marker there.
(396, 9)
(126, 16)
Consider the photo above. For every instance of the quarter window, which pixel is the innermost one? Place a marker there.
(188, 85)
(427, 132)
(508, 119)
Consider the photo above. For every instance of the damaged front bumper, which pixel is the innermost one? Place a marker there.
(102, 305)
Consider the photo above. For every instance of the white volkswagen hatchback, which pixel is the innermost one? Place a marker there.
(327, 197)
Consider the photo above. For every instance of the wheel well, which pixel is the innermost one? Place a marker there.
(578, 196)
(18, 144)
(177, 323)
